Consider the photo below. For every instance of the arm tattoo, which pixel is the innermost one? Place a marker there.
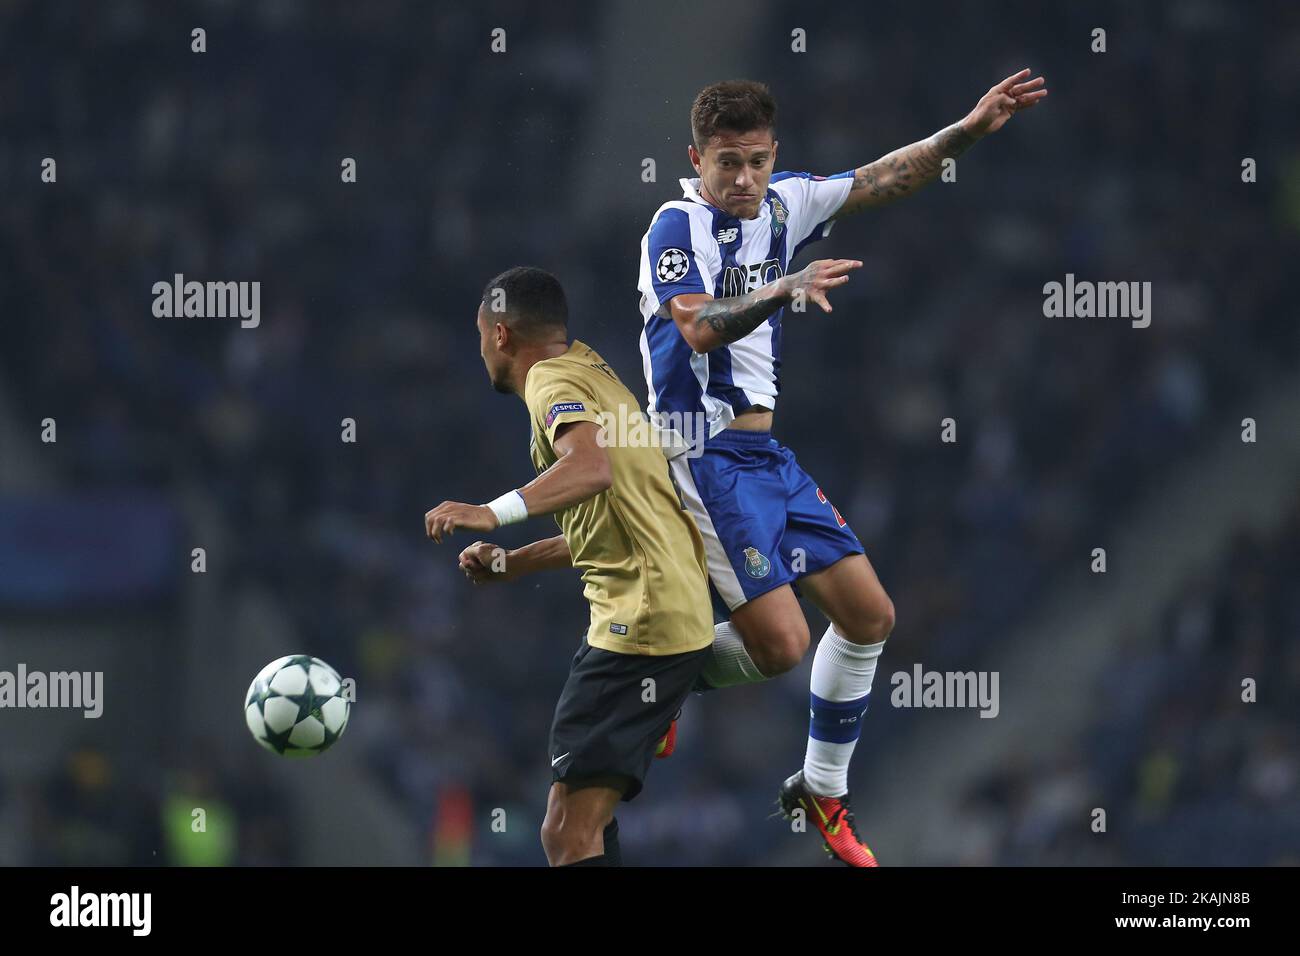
(905, 170)
(734, 318)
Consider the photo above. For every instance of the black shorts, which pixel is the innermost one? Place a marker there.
(608, 721)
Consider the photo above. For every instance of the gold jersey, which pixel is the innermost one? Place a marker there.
(641, 556)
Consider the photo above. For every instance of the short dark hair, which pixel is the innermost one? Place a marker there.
(737, 106)
(534, 303)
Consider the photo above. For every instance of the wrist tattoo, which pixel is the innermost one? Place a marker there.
(952, 142)
(907, 169)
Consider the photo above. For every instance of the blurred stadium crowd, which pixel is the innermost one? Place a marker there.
(1187, 776)
(227, 168)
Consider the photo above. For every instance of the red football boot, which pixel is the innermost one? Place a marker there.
(834, 820)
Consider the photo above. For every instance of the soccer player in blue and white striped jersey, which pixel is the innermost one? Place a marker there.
(715, 287)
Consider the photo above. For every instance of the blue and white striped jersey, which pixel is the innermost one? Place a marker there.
(693, 247)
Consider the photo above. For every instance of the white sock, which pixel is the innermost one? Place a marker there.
(729, 663)
(841, 683)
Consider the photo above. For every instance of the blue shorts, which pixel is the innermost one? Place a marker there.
(764, 521)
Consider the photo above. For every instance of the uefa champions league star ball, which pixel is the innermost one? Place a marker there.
(295, 707)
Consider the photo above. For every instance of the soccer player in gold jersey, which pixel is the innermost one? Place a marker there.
(641, 557)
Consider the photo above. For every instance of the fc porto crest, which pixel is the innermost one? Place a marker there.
(756, 566)
(779, 216)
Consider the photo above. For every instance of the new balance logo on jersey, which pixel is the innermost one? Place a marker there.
(727, 235)
(737, 280)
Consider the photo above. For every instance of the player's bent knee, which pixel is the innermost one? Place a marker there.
(883, 622)
(872, 624)
(774, 630)
(780, 652)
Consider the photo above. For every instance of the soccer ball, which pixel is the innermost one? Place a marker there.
(294, 706)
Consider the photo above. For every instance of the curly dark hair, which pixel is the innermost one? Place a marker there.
(737, 106)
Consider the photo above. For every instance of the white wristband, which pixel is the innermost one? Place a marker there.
(510, 508)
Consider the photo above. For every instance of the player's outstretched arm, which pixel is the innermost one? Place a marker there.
(708, 323)
(906, 170)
